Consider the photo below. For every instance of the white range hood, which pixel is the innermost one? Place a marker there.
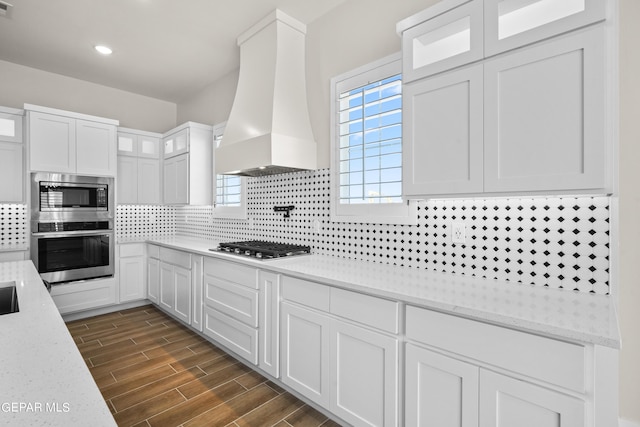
(268, 131)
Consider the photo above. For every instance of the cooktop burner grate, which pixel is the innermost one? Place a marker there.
(263, 250)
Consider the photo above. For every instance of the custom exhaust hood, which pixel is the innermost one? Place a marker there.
(268, 131)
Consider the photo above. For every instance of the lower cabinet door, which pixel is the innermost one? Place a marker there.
(365, 373)
(167, 287)
(234, 335)
(439, 390)
(182, 292)
(269, 332)
(305, 352)
(153, 280)
(507, 402)
(132, 279)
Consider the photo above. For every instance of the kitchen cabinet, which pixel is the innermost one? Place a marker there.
(176, 143)
(305, 352)
(153, 279)
(11, 172)
(65, 142)
(230, 300)
(542, 382)
(197, 274)
(337, 351)
(138, 167)
(84, 295)
(174, 294)
(443, 149)
(531, 120)
(434, 41)
(545, 115)
(132, 271)
(439, 390)
(510, 402)
(11, 156)
(269, 322)
(188, 165)
(512, 23)
(176, 180)
(11, 124)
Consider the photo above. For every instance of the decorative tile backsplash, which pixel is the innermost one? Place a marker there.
(13, 226)
(555, 242)
(144, 221)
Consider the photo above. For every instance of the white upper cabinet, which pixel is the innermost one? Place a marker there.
(524, 112)
(188, 165)
(95, 148)
(52, 141)
(11, 155)
(11, 122)
(443, 41)
(443, 122)
(176, 143)
(11, 176)
(513, 23)
(66, 142)
(138, 144)
(138, 167)
(545, 116)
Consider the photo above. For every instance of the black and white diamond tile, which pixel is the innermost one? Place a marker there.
(144, 221)
(554, 242)
(13, 225)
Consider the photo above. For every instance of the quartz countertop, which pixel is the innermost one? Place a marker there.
(556, 313)
(43, 378)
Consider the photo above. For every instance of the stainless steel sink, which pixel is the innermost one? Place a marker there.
(8, 298)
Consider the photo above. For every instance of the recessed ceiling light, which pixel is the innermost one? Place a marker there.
(104, 49)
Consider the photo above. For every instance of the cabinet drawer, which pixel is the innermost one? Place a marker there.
(153, 251)
(232, 272)
(377, 312)
(306, 293)
(131, 250)
(233, 300)
(234, 335)
(181, 259)
(550, 360)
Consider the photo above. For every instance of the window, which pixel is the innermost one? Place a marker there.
(366, 145)
(229, 197)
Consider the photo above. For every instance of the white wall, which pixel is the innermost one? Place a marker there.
(352, 35)
(213, 104)
(355, 33)
(629, 244)
(29, 85)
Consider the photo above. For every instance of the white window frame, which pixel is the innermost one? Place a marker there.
(382, 213)
(222, 211)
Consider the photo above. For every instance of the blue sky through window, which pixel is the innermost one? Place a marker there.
(370, 132)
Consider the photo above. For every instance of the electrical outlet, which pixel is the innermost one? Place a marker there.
(316, 226)
(458, 233)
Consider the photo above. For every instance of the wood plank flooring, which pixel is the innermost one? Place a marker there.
(154, 372)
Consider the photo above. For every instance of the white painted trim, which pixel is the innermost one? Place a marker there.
(140, 132)
(626, 423)
(73, 115)
(392, 213)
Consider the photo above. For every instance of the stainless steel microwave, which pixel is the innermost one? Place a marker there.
(70, 197)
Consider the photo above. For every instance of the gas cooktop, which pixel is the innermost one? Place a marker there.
(263, 250)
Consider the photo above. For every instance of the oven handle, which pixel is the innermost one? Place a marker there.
(74, 233)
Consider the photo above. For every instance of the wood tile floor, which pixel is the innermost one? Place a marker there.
(153, 371)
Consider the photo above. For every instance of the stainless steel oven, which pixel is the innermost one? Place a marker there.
(73, 250)
(63, 197)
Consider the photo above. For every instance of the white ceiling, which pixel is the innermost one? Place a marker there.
(163, 49)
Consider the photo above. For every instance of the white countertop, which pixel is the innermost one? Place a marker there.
(556, 313)
(43, 379)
